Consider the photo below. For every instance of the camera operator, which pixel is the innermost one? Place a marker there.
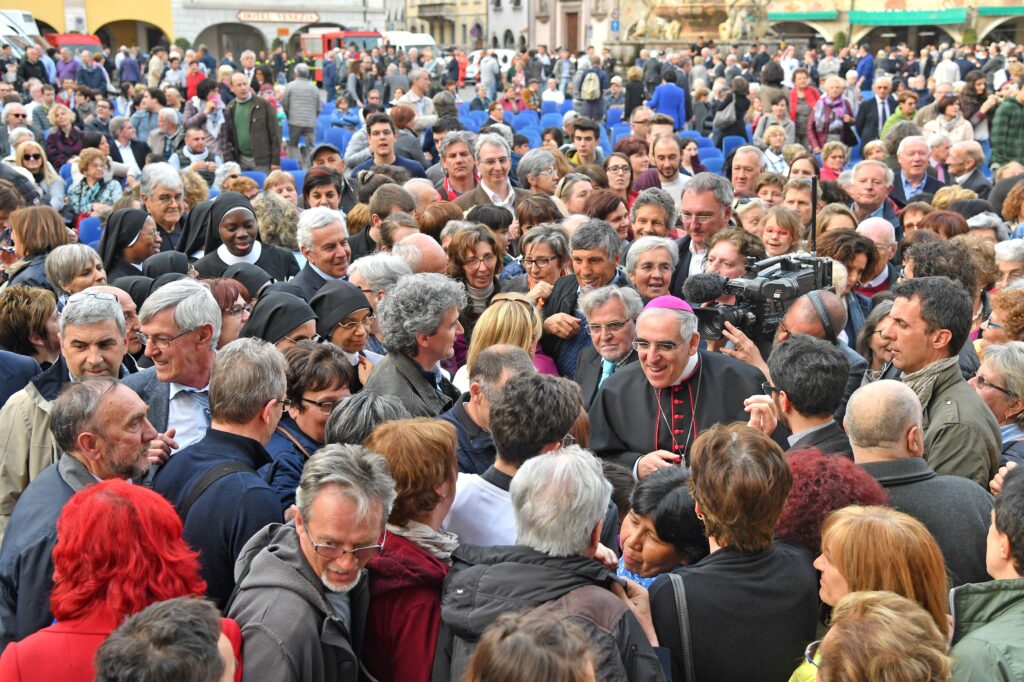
(822, 320)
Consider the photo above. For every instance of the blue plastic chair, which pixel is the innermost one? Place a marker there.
(551, 121)
(620, 130)
(213, 193)
(289, 164)
(300, 178)
(705, 143)
(730, 142)
(548, 107)
(613, 116)
(525, 118)
(710, 153)
(90, 230)
(462, 108)
(65, 173)
(713, 165)
(470, 124)
(533, 136)
(258, 176)
(566, 106)
(339, 137)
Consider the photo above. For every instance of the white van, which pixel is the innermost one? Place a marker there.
(403, 41)
(19, 29)
(473, 68)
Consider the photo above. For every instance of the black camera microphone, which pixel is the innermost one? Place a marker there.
(703, 287)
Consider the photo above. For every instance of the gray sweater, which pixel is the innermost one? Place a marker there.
(301, 103)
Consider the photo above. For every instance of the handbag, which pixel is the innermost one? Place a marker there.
(683, 614)
(848, 136)
(726, 117)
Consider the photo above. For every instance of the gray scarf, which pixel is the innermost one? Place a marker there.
(922, 382)
(440, 544)
(478, 297)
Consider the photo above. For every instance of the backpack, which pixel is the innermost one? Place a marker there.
(590, 90)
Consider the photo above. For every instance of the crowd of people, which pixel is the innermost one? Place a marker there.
(354, 379)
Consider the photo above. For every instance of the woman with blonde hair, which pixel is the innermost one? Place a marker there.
(511, 319)
(781, 231)
(196, 189)
(282, 183)
(404, 616)
(31, 156)
(64, 139)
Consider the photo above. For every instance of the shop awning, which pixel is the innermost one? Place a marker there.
(909, 17)
(828, 15)
(996, 11)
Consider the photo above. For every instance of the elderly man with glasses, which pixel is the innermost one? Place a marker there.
(494, 158)
(213, 483)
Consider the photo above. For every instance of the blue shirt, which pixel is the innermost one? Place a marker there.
(909, 189)
(415, 169)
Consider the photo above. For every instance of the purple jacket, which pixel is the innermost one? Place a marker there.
(130, 70)
(67, 70)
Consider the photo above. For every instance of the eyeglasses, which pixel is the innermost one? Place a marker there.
(170, 198)
(618, 169)
(660, 346)
(237, 309)
(488, 260)
(700, 218)
(993, 325)
(768, 389)
(811, 651)
(548, 171)
(315, 339)
(359, 553)
(352, 324)
(539, 262)
(982, 382)
(610, 327)
(160, 342)
(99, 295)
(18, 115)
(284, 403)
(326, 406)
(33, 157)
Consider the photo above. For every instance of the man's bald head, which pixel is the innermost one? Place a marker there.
(422, 253)
(878, 418)
(883, 234)
(801, 318)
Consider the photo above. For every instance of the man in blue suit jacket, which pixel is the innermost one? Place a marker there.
(669, 99)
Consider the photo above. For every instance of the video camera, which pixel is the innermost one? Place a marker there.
(763, 294)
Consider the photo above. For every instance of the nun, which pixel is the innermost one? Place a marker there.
(232, 237)
(168, 261)
(281, 319)
(129, 238)
(345, 318)
(193, 235)
(255, 279)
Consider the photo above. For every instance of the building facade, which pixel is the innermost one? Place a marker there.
(452, 23)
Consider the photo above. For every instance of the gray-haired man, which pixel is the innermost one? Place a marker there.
(302, 594)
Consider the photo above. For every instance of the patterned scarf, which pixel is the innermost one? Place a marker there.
(828, 114)
(440, 544)
(922, 382)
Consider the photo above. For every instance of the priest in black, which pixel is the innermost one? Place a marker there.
(232, 236)
(649, 414)
(129, 238)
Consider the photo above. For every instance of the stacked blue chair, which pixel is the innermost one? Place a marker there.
(258, 176)
(339, 137)
(524, 119)
(533, 136)
(300, 178)
(605, 141)
(90, 230)
(548, 107)
(730, 142)
(710, 153)
(566, 106)
(470, 124)
(705, 143)
(463, 108)
(613, 116)
(620, 130)
(65, 174)
(713, 165)
(289, 164)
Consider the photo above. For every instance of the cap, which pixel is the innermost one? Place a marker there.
(322, 146)
(668, 303)
(617, 80)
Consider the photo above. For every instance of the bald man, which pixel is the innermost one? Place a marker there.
(802, 318)
(884, 425)
(883, 234)
(424, 192)
(422, 253)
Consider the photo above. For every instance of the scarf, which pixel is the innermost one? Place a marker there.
(922, 382)
(440, 544)
(478, 298)
(828, 114)
(214, 119)
(948, 126)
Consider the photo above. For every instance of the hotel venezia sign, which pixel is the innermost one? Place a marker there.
(260, 17)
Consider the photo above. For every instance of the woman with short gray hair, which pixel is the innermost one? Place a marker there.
(650, 263)
(1000, 384)
(72, 268)
(545, 250)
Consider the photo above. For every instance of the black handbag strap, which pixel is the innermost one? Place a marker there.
(682, 612)
(209, 478)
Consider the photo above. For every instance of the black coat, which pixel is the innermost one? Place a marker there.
(275, 261)
(751, 614)
(830, 440)
(954, 509)
(588, 373)
(634, 98)
(140, 150)
(682, 270)
(931, 186)
(867, 124)
(563, 299)
(476, 451)
(309, 282)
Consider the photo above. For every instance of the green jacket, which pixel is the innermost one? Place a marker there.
(961, 437)
(987, 621)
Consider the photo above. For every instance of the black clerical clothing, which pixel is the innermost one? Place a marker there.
(630, 418)
(830, 439)
(589, 368)
(275, 261)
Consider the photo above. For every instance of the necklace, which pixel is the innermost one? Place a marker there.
(690, 432)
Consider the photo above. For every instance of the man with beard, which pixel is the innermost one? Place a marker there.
(648, 414)
(302, 594)
(101, 428)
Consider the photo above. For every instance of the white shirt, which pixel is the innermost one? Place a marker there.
(186, 416)
(696, 260)
(507, 203)
(675, 188)
(128, 158)
(481, 514)
(552, 96)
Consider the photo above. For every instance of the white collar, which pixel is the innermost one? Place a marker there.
(495, 199)
(691, 367)
(961, 178)
(182, 388)
(877, 281)
(230, 259)
(695, 251)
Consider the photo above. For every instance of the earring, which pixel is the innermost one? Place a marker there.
(701, 517)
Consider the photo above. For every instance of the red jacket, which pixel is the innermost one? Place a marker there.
(65, 650)
(811, 96)
(405, 612)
